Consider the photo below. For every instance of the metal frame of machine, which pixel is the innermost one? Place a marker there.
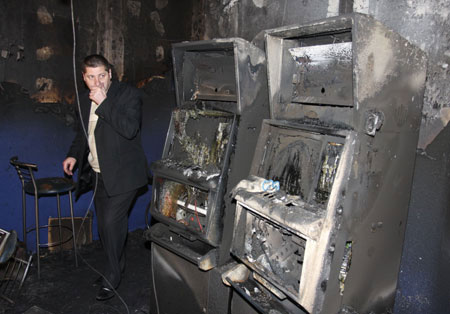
(222, 98)
(320, 221)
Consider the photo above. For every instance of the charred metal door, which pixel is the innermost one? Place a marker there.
(221, 88)
(320, 221)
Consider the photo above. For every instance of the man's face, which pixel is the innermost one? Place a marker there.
(97, 77)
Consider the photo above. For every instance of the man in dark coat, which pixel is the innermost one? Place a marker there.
(108, 153)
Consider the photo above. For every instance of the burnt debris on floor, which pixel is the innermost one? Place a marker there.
(63, 288)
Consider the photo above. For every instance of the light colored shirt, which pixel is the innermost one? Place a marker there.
(93, 158)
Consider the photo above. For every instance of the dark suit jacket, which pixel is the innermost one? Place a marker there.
(118, 138)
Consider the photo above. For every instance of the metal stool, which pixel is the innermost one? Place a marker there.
(38, 188)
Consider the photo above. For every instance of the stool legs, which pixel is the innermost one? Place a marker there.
(58, 204)
(38, 241)
(73, 229)
(24, 218)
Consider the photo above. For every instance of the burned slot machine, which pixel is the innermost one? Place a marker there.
(222, 98)
(320, 220)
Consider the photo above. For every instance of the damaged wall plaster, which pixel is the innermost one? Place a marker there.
(37, 41)
(198, 21)
(47, 91)
(259, 3)
(161, 4)
(230, 5)
(110, 39)
(159, 53)
(134, 7)
(249, 18)
(44, 53)
(154, 16)
(139, 27)
(44, 16)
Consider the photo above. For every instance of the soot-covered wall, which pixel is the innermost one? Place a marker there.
(37, 94)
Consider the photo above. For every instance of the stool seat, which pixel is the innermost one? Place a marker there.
(50, 186)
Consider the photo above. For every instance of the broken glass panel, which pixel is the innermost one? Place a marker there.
(185, 204)
(292, 159)
(200, 138)
(274, 251)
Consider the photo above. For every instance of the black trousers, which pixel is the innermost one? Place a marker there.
(112, 222)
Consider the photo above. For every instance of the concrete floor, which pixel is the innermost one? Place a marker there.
(69, 290)
(64, 289)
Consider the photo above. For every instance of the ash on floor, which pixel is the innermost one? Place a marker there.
(68, 290)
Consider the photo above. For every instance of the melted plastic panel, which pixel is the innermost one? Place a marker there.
(184, 204)
(200, 138)
(209, 75)
(274, 252)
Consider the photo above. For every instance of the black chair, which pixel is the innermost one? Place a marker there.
(13, 265)
(43, 187)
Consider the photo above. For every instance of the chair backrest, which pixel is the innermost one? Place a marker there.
(24, 170)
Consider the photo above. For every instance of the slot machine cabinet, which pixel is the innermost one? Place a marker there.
(222, 98)
(320, 221)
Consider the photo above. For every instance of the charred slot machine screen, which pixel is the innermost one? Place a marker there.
(221, 92)
(197, 150)
(275, 223)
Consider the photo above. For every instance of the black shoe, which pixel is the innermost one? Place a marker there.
(98, 282)
(104, 294)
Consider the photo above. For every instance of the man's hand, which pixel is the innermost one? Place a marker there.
(68, 165)
(97, 94)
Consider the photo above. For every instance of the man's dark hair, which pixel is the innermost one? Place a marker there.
(94, 61)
